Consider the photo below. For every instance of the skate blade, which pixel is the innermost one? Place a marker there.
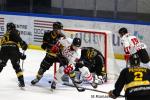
(52, 90)
(22, 88)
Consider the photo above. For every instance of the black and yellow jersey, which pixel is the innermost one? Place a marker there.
(50, 38)
(11, 38)
(91, 56)
(133, 80)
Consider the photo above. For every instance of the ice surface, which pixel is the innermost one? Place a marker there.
(9, 89)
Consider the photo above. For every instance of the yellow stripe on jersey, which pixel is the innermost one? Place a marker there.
(136, 83)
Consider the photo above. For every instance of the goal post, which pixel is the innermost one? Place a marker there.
(100, 40)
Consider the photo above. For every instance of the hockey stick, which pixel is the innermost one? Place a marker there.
(22, 62)
(127, 61)
(127, 56)
(80, 89)
(70, 85)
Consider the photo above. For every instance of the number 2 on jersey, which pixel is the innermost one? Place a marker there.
(138, 76)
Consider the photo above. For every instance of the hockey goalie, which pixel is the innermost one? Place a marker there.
(94, 61)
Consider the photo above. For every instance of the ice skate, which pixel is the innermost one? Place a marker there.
(21, 85)
(53, 85)
(94, 85)
(33, 82)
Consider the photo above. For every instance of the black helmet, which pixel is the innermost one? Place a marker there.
(76, 42)
(57, 26)
(10, 26)
(91, 53)
(134, 60)
(122, 31)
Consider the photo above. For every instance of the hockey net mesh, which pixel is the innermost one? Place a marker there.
(102, 41)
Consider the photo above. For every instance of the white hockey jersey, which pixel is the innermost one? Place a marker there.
(131, 44)
(71, 55)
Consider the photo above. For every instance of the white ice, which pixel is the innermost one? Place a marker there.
(9, 89)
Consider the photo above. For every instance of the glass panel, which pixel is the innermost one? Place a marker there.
(127, 9)
(41, 6)
(118, 9)
(79, 8)
(105, 8)
(143, 10)
(18, 5)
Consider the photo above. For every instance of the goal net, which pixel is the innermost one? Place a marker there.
(102, 41)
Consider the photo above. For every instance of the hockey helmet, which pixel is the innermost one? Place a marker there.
(122, 31)
(76, 42)
(57, 26)
(91, 53)
(134, 60)
(10, 26)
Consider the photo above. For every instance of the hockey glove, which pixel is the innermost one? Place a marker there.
(111, 95)
(55, 49)
(68, 69)
(24, 46)
(22, 56)
(126, 57)
(43, 46)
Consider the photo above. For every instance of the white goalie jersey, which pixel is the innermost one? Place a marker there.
(131, 44)
(71, 55)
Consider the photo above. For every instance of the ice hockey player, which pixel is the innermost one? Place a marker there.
(50, 38)
(132, 45)
(71, 53)
(10, 50)
(94, 61)
(135, 80)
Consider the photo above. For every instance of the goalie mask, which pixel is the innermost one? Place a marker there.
(134, 60)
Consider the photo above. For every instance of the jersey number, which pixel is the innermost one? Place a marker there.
(138, 76)
(135, 41)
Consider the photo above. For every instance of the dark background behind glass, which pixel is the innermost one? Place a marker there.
(138, 10)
